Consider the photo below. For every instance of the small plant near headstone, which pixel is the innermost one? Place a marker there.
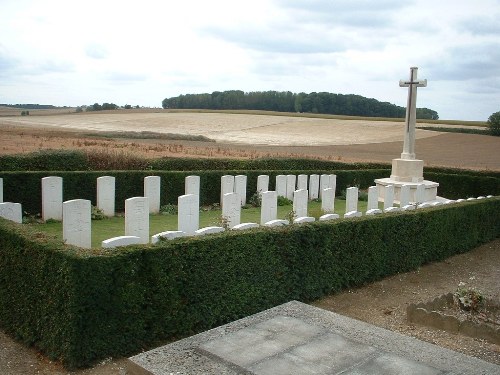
(468, 298)
(223, 222)
(363, 195)
(96, 213)
(283, 201)
(168, 209)
(211, 207)
(290, 216)
(255, 200)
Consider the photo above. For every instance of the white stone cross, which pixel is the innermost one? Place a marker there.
(411, 113)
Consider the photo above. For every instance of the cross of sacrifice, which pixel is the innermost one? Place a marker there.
(411, 113)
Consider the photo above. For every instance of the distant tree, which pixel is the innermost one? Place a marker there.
(78, 109)
(494, 124)
(127, 106)
(108, 106)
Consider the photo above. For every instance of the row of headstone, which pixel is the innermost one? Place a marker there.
(286, 185)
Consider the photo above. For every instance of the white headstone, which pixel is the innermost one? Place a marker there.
(137, 218)
(302, 182)
(324, 183)
(303, 219)
(240, 188)
(11, 211)
(313, 186)
(208, 230)
(106, 195)
(269, 207)
(226, 186)
(281, 185)
(351, 201)
(152, 189)
(420, 194)
(404, 196)
(231, 209)
(52, 198)
(244, 226)
(300, 203)
(76, 223)
(188, 213)
(290, 185)
(332, 181)
(276, 223)
(262, 183)
(327, 217)
(167, 235)
(372, 198)
(192, 185)
(372, 207)
(328, 201)
(389, 197)
(1, 190)
(120, 241)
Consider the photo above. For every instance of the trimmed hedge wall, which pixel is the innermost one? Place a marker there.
(25, 187)
(80, 306)
(79, 161)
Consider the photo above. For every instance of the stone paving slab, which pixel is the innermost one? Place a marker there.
(295, 338)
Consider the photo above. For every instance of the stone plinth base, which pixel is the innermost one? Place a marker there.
(407, 170)
(430, 189)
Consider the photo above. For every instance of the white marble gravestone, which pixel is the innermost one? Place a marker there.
(137, 218)
(231, 209)
(1, 190)
(121, 241)
(167, 235)
(290, 185)
(324, 183)
(152, 190)
(226, 186)
(313, 186)
(420, 194)
(404, 198)
(372, 206)
(208, 230)
(240, 188)
(52, 198)
(351, 203)
(302, 182)
(188, 218)
(389, 197)
(281, 185)
(77, 223)
(407, 169)
(300, 199)
(328, 201)
(11, 211)
(262, 183)
(332, 181)
(106, 195)
(269, 207)
(245, 226)
(192, 185)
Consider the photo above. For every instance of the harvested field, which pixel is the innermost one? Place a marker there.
(242, 136)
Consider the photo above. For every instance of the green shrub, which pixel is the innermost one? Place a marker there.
(494, 123)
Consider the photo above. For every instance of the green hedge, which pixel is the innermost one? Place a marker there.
(80, 306)
(80, 161)
(25, 187)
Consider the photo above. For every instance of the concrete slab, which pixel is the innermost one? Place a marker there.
(296, 338)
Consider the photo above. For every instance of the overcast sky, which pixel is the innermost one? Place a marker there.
(140, 52)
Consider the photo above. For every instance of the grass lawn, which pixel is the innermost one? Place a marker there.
(115, 226)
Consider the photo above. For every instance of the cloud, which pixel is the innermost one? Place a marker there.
(468, 62)
(96, 51)
(484, 27)
(124, 77)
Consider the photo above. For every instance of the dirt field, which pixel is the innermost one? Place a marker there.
(245, 136)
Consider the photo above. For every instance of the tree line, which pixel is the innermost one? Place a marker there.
(286, 101)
